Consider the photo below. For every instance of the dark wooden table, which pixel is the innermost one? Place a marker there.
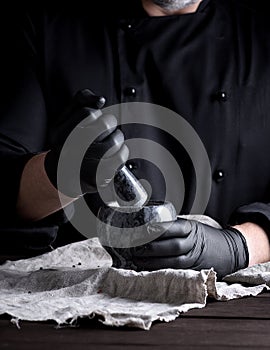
(241, 324)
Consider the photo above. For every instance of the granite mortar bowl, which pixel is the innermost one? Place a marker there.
(120, 229)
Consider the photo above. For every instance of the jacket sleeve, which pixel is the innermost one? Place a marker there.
(258, 213)
(23, 116)
(23, 126)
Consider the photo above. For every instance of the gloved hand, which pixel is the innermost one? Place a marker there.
(188, 244)
(97, 134)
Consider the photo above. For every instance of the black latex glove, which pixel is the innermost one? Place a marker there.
(188, 244)
(102, 128)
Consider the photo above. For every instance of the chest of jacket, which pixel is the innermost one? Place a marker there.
(209, 68)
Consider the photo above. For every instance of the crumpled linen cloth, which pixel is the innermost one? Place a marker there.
(78, 280)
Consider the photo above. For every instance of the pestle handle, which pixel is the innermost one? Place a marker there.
(125, 189)
(128, 189)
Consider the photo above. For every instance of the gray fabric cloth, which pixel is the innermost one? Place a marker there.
(77, 280)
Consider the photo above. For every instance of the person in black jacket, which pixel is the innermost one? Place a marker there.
(207, 61)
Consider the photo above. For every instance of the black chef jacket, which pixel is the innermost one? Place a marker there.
(211, 67)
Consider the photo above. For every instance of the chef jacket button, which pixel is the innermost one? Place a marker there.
(219, 175)
(130, 91)
(221, 96)
(126, 26)
(131, 165)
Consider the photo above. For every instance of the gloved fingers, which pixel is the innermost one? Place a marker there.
(157, 263)
(84, 137)
(172, 229)
(84, 116)
(85, 104)
(116, 141)
(107, 167)
(110, 145)
(164, 248)
(70, 121)
(104, 126)
(100, 128)
(86, 98)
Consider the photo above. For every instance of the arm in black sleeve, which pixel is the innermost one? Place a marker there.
(257, 212)
(16, 235)
(23, 127)
(13, 159)
(23, 116)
